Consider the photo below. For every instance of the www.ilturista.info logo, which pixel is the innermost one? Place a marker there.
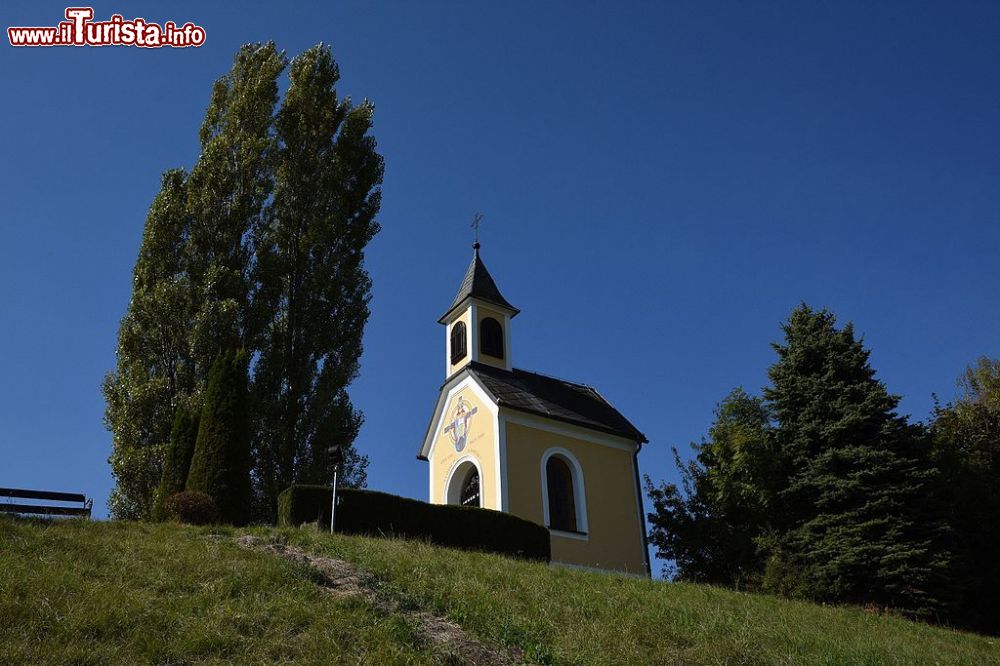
(79, 29)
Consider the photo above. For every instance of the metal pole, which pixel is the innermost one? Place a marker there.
(333, 503)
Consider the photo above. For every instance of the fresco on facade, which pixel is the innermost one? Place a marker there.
(458, 428)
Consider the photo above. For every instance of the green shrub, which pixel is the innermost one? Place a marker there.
(375, 513)
(183, 436)
(191, 507)
(221, 463)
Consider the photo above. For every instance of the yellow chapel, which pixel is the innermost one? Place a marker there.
(548, 450)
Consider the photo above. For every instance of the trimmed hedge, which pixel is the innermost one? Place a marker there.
(301, 504)
(374, 513)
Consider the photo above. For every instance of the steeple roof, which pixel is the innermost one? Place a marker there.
(478, 283)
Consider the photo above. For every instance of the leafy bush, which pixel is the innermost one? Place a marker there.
(375, 513)
(192, 507)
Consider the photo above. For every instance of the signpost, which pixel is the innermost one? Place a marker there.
(337, 453)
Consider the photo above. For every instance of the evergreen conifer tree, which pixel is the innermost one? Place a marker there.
(177, 462)
(853, 511)
(221, 463)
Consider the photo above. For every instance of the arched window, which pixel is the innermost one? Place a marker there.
(491, 337)
(561, 494)
(470, 489)
(458, 336)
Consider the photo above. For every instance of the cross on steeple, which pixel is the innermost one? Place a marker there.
(476, 219)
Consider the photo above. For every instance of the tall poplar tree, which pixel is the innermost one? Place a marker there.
(854, 515)
(312, 288)
(225, 264)
(228, 190)
(155, 373)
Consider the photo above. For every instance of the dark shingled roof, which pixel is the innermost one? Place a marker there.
(478, 283)
(554, 398)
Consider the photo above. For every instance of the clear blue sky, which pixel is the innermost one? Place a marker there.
(662, 183)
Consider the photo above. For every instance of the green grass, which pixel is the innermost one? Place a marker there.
(78, 592)
(126, 593)
(574, 617)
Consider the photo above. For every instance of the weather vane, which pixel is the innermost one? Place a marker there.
(476, 219)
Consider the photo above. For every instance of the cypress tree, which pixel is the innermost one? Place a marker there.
(855, 523)
(180, 450)
(221, 463)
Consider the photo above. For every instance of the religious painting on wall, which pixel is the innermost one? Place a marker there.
(458, 428)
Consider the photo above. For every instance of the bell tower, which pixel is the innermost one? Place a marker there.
(477, 324)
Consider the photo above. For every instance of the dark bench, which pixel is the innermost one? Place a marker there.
(24, 509)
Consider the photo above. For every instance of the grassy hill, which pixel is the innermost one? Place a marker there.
(78, 592)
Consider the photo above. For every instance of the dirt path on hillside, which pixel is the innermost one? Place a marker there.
(343, 580)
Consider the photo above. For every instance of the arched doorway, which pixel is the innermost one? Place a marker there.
(464, 485)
